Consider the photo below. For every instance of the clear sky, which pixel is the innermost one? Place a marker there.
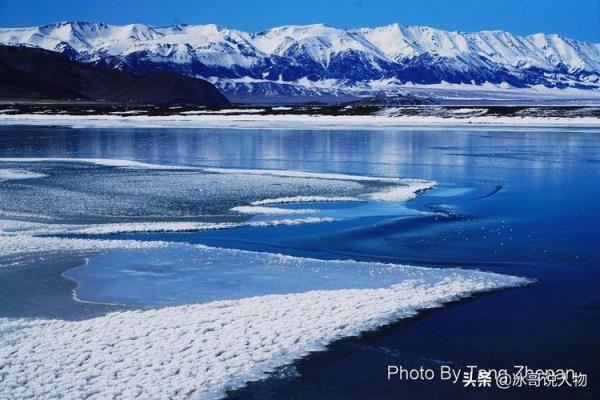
(578, 19)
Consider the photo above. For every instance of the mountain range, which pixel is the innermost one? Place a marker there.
(323, 60)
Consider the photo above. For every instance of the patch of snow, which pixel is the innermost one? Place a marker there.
(130, 112)
(133, 227)
(470, 111)
(193, 112)
(304, 199)
(17, 174)
(226, 111)
(11, 245)
(294, 121)
(106, 162)
(292, 221)
(302, 174)
(169, 226)
(406, 192)
(272, 210)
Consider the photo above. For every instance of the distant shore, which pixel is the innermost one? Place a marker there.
(297, 117)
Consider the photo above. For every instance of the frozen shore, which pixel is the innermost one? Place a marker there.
(291, 121)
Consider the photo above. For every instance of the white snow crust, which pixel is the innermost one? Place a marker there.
(16, 174)
(272, 210)
(410, 190)
(200, 351)
(304, 199)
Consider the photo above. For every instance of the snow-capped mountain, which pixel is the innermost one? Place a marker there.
(318, 59)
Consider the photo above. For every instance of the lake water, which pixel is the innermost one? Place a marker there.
(521, 202)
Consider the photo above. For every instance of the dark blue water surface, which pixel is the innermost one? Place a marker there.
(522, 202)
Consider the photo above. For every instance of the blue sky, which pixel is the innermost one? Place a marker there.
(578, 19)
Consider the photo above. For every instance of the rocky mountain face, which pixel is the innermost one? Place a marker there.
(36, 74)
(318, 59)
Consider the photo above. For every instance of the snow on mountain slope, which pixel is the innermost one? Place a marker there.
(539, 50)
(180, 44)
(321, 59)
(319, 42)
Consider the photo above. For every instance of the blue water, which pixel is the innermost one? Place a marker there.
(516, 202)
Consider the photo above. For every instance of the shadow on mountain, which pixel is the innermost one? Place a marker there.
(34, 74)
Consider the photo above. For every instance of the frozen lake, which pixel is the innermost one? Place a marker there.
(224, 215)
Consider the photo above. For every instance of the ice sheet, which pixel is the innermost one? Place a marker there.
(103, 188)
(201, 350)
(185, 274)
(278, 308)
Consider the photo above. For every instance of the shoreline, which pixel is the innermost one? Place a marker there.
(293, 121)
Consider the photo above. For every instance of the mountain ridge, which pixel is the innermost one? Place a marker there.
(321, 59)
(34, 74)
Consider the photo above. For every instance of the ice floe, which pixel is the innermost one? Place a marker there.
(75, 189)
(133, 227)
(304, 199)
(186, 274)
(410, 190)
(12, 245)
(17, 174)
(167, 226)
(272, 210)
(302, 174)
(31, 229)
(202, 350)
(106, 162)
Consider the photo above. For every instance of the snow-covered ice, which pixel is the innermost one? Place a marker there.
(12, 245)
(16, 174)
(167, 226)
(298, 121)
(201, 350)
(186, 274)
(272, 210)
(410, 190)
(124, 188)
(302, 174)
(106, 162)
(304, 199)
(225, 111)
(247, 313)
(18, 237)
